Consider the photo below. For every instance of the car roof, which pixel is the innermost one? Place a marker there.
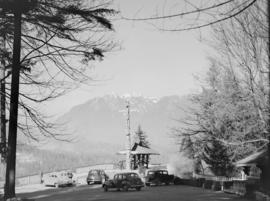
(156, 170)
(126, 173)
(97, 170)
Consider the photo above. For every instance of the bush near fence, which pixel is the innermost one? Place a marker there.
(259, 196)
(200, 182)
(231, 185)
(216, 186)
(208, 184)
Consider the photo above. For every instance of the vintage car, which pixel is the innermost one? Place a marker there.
(158, 177)
(58, 179)
(124, 181)
(96, 177)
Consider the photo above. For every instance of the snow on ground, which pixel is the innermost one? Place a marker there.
(29, 188)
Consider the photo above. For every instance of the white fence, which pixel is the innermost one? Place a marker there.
(217, 178)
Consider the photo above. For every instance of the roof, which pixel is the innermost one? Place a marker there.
(145, 150)
(252, 159)
(140, 150)
(126, 173)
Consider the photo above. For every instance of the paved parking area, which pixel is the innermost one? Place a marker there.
(160, 193)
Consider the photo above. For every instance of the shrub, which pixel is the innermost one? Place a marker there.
(208, 184)
(177, 181)
(216, 186)
(227, 184)
(200, 182)
(250, 190)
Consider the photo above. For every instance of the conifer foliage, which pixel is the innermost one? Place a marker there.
(51, 45)
(141, 137)
(233, 106)
(59, 40)
(218, 158)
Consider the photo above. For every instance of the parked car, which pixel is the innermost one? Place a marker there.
(58, 179)
(96, 177)
(124, 181)
(72, 176)
(158, 177)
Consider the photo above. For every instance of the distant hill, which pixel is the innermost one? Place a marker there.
(99, 130)
(32, 160)
(99, 125)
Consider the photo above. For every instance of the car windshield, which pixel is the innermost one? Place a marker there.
(94, 172)
(101, 172)
(116, 176)
(134, 175)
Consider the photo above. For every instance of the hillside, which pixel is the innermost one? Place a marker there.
(99, 125)
(32, 160)
(99, 130)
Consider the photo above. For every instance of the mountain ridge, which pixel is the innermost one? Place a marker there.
(99, 124)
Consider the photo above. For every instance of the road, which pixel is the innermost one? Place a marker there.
(160, 193)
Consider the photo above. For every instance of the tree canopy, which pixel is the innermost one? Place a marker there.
(59, 41)
(218, 159)
(141, 137)
(232, 107)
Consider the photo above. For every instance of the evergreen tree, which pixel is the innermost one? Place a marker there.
(49, 40)
(217, 157)
(141, 137)
(58, 41)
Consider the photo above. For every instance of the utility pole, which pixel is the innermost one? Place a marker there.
(128, 143)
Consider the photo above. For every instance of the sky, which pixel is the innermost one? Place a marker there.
(149, 62)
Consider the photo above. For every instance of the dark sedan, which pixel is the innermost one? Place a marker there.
(158, 177)
(124, 181)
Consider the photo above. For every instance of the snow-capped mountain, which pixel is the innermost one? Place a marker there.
(99, 125)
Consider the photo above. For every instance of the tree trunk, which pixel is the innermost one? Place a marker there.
(3, 100)
(3, 107)
(267, 183)
(13, 117)
(3, 112)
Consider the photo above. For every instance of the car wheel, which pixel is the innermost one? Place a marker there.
(125, 187)
(147, 184)
(88, 182)
(138, 188)
(167, 183)
(105, 188)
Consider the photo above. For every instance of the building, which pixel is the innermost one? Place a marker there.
(256, 160)
(140, 156)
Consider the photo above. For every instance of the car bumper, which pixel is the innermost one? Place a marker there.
(137, 186)
(94, 181)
